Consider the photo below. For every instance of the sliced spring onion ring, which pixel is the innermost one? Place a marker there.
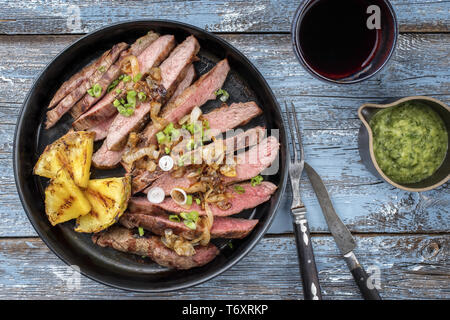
(156, 195)
(179, 196)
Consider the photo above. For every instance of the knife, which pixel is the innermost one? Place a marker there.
(344, 239)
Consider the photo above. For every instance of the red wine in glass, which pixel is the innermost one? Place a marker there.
(333, 39)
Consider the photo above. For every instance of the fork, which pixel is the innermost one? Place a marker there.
(308, 269)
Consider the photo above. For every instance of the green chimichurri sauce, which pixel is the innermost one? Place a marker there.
(409, 141)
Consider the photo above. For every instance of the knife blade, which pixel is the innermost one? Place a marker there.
(342, 236)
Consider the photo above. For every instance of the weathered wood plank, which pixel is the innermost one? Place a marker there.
(418, 67)
(327, 114)
(411, 267)
(60, 17)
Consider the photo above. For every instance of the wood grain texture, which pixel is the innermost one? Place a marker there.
(58, 17)
(412, 267)
(327, 114)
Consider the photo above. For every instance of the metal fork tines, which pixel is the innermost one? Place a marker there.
(308, 270)
(296, 165)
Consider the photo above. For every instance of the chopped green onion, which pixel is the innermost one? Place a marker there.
(175, 134)
(118, 91)
(126, 78)
(102, 69)
(190, 224)
(190, 128)
(230, 245)
(116, 103)
(142, 96)
(167, 150)
(95, 91)
(198, 201)
(180, 162)
(189, 200)
(192, 216)
(161, 137)
(174, 218)
(112, 85)
(121, 77)
(191, 144)
(239, 189)
(223, 93)
(256, 180)
(206, 124)
(141, 231)
(137, 77)
(169, 128)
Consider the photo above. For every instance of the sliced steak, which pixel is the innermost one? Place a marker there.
(104, 109)
(194, 96)
(141, 204)
(156, 53)
(106, 159)
(67, 103)
(76, 80)
(125, 240)
(223, 119)
(142, 178)
(87, 101)
(122, 126)
(185, 83)
(141, 44)
(249, 198)
(174, 68)
(101, 130)
(228, 117)
(251, 163)
(242, 140)
(157, 223)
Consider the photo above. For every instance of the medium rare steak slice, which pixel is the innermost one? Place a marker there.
(247, 198)
(67, 103)
(87, 101)
(175, 67)
(247, 138)
(122, 126)
(101, 130)
(76, 80)
(251, 163)
(185, 83)
(125, 240)
(106, 159)
(225, 118)
(113, 73)
(142, 178)
(157, 223)
(104, 109)
(196, 95)
(228, 117)
(156, 53)
(141, 44)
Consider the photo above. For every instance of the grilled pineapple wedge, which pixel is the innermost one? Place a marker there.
(51, 161)
(73, 151)
(109, 199)
(64, 201)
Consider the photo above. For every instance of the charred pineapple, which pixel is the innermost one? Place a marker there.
(79, 147)
(109, 199)
(64, 200)
(51, 161)
(73, 151)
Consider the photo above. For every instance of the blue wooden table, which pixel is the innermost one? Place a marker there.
(403, 236)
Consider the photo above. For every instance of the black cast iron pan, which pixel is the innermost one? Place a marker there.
(106, 265)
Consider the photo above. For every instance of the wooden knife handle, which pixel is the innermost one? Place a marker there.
(368, 290)
(307, 263)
